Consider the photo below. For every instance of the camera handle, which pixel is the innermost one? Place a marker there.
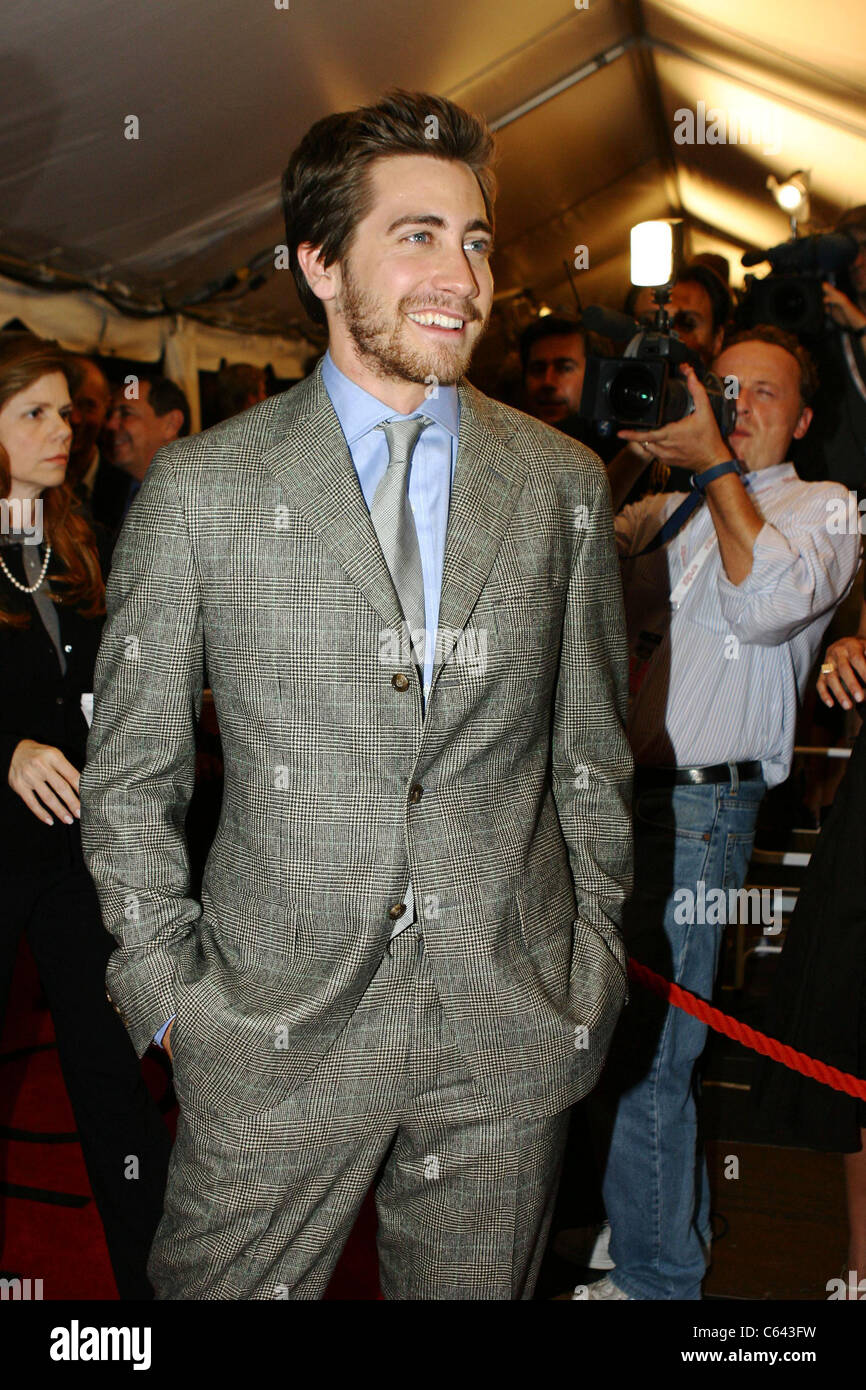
(662, 298)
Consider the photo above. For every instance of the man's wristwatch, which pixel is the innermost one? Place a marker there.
(718, 470)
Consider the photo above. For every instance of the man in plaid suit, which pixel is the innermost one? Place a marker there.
(406, 963)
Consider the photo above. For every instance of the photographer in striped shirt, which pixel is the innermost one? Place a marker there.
(726, 607)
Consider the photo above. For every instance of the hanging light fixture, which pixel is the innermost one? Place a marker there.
(792, 196)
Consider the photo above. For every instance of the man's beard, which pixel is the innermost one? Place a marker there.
(381, 342)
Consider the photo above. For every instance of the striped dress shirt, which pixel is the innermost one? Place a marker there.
(730, 662)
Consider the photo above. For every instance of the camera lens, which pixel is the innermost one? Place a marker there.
(788, 304)
(632, 393)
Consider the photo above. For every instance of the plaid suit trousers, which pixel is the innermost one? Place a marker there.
(260, 1207)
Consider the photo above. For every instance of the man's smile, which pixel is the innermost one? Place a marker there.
(438, 322)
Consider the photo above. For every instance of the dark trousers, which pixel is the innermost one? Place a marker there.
(118, 1122)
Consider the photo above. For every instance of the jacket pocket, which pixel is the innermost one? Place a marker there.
(544, 911)
(247, 929)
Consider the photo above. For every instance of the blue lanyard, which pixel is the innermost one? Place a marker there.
(677, 519)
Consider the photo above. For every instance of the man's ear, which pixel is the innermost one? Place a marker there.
(323, 282)
(172, 424)
(804, 422)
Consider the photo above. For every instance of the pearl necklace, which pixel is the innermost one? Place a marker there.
(27, 588)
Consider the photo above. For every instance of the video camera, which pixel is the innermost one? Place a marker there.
(791, 296)
(643, 388)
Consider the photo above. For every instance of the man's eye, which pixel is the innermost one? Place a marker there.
(412, 235)
(481, 246)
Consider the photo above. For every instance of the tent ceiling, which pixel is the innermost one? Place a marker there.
(224, 91)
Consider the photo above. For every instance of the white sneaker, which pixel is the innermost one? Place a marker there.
(603, 1289)
(586, 1246)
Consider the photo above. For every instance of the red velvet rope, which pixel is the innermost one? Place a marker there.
(742, 1033)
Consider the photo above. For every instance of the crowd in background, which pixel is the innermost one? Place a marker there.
(112, 433)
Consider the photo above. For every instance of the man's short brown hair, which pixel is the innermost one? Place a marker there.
(558, 326)
(769, 333)
(326, 190)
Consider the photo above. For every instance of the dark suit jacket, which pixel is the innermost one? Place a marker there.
(108, 499)
(818, 999)
(38, 702)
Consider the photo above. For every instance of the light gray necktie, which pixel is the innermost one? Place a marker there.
(395, 527)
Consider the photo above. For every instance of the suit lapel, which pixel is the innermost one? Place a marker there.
(488, 479)
(311, 460)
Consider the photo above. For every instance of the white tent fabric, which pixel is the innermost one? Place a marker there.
(86, 322)
(587, 98)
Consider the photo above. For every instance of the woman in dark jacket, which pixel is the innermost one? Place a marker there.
(818, 1000)
(51, 613)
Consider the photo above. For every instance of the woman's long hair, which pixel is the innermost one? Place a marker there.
(24, 358)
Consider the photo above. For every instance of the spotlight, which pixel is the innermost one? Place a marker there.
(656, 256)
(792, 196)
(652, 253)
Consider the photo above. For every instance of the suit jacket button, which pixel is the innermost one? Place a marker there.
(396, 911)
(416, 792)
(400, 682)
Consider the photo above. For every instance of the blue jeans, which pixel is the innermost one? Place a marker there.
(644, 1112)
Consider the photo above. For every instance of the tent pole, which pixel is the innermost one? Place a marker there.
(601, 60)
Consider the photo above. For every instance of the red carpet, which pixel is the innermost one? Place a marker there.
(49, 1226)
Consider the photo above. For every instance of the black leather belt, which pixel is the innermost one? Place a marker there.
(695, 776)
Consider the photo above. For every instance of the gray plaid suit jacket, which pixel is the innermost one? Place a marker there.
(249, 547)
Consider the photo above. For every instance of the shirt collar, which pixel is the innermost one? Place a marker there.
(766, 477)
(358, 412)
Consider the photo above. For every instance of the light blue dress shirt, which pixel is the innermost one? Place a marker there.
(430, 480)
(431, 477)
